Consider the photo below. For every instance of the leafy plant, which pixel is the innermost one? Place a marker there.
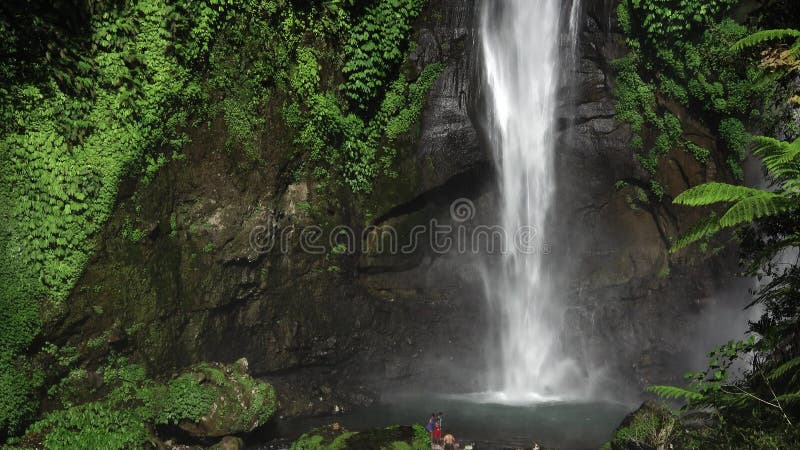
(747, 205)
(690, 61)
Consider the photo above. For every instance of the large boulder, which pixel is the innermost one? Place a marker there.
(240, 403)
(651, 427)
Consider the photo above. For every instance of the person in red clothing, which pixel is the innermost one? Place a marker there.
(437, 433)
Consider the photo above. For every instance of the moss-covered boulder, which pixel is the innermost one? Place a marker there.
(208, 400)
(232, 402)
(229, 443)
(335, 437)
(651, 427)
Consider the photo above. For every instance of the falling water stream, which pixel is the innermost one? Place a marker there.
(536, 392)
(524, 64)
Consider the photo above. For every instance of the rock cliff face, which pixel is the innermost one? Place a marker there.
(330, 330)
(633, 306)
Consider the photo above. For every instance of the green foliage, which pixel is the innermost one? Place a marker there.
(664, 21)
(130, 233)
(673, 392)
(114, 103)
(123, 418)
(736, 139)
(375, 45)
(69, 135)
(689, 62)
(758, 408)
(295, 52)
(391, 438)
(90, 426)
(19, 324)
(184, 398)
(748, 205)
(763, 36)
(715, 192)
(652, 426)
(422, 439)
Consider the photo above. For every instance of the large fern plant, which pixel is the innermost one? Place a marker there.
(759, 407)
(784, 59)
(760, 37)
(746, 205)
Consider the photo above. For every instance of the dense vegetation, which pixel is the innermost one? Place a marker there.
(392, 438)
(680, 60)
(97, 93)
(749, 397)
(94, 93)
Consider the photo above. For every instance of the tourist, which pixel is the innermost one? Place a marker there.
(431, 424)
(440, 419)
(437, 433)
(449, 442)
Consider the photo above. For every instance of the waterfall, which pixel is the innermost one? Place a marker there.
(524, 63)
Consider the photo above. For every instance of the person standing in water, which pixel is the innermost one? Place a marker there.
(449, 442)
(431, 425)
(437, 434)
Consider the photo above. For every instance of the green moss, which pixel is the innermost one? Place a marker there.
(736, 139)
(651, 426)
(212, 397)
(151, 69)
(183, 398)
(68, 137)
(390, 438)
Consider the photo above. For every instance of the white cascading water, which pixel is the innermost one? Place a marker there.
(523, 66)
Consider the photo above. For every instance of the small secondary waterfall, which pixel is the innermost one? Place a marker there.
(524, 62)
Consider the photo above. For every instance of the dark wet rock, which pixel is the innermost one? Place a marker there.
(332, 333)
(229, 443)
(449, 143)
(632, 305)
(603, 109)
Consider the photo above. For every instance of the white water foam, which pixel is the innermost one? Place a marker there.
(523, 65)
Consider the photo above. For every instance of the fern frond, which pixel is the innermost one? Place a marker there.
(791, 398)
(765, 146)
(792, 186)
(674, 392)
(758, 205)
(784, 368)
(760, 37)
(714, 192)
(702, 230)
(777, 155)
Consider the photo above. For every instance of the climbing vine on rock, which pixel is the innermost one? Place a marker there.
(690, 64)
(112, 95)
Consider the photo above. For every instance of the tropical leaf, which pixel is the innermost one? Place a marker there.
(714, 192)
(674, 392)
(765, 146)
(784, 368)
(764, 36)
(702, 230)
(776, 155)
(758, 205)
(791, 398)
